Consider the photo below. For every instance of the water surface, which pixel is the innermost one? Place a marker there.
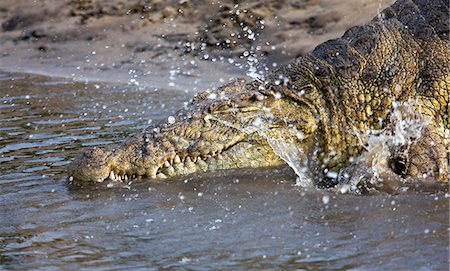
(235, 220)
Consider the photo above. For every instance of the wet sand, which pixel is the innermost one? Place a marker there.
(179, 44)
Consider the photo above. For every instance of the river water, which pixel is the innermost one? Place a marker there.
(235, 220)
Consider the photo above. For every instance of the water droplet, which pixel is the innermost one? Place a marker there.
(171, 119)
(185, 260)
(332, 174)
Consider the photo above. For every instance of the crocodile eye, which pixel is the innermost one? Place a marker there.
(224, 107)
(220, 107)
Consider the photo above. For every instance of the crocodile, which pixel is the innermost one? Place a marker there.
(322, 105)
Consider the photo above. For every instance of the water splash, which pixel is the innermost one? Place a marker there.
(284, 147)
(372, 167)
(406, 125)
(294, 156)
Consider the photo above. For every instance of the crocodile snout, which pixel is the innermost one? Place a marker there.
(92, 165)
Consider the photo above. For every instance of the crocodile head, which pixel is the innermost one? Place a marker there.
(232, 127)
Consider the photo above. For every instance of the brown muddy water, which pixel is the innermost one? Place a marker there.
(235, 220)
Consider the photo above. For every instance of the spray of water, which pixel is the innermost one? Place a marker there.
(372, 168)
(295, 157)
(406, 126)
(285, 148)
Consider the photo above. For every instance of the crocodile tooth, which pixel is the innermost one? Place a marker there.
(188, 163)
(177, 159)
(166, 164)
(212, 163)
(126, 178)
(161, 176)
(178, 167)
(153, 172)
(201, 164)
(112, 177)
(170, 171)
(194, 159)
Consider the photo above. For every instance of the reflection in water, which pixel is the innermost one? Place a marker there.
(238, 220)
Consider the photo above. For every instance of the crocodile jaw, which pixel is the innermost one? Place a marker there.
(97, 165)
(213, 134)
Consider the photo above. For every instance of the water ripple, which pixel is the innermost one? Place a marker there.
(204, 222)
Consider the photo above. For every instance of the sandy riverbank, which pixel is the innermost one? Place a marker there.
(182, 44)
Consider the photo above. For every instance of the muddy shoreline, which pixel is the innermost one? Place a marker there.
(180, 44)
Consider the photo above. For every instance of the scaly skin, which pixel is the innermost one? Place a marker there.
(322, 103)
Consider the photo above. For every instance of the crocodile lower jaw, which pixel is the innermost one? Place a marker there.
(242, 155)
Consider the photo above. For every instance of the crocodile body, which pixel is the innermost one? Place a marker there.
(322, 103)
